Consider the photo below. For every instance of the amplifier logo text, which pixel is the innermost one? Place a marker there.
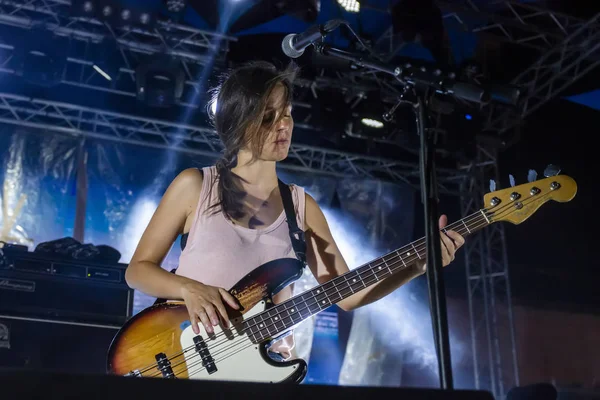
(17, 284)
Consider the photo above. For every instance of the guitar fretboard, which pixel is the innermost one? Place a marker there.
(290, 313)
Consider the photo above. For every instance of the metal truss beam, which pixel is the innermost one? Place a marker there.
(517, 22)
(509, 21)
(78, 71)
(570, 49)
(177, 40)
(195, 49)
(488, 284)
(568, 61)
(556, 69)
(106, 125)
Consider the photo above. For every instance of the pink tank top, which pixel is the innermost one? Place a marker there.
(220, 253)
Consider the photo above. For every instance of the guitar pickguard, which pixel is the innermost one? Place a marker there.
(229, 355)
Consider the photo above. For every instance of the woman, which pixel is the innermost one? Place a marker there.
(232, 212)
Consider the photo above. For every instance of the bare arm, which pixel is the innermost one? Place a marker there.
(326, 262)
(178, 203)
(205, 304)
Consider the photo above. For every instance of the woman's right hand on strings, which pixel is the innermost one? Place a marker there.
(205, 304)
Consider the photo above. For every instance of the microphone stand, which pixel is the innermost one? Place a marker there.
(421, 80)
(434, 272)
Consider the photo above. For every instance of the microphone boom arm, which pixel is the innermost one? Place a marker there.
(356, 59)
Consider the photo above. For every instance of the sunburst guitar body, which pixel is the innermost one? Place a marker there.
(159, 341)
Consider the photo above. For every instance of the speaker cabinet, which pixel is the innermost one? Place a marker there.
(53, 345)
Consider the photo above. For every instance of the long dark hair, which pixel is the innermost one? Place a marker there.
(241, 99)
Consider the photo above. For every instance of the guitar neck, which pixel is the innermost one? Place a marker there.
(288, 314)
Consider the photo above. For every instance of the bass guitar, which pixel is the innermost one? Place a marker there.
(159, 341)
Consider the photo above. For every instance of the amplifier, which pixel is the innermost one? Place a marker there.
(46, 345)
(35, 286)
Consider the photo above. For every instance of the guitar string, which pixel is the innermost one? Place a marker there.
(216, 361)
(371, 274)
(232, 346)
(247, 343)
(243, 330)
(374, 274)
(449, 227)
(395, 255)
(394, 261)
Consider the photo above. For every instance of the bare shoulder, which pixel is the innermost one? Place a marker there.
(190, 177)
(186, 188)
(170, 217)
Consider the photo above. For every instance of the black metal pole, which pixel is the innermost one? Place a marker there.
(435, 279)
(430, 79)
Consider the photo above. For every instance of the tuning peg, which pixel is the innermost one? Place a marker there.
(551, 170)
(512, 180)
(531, 175)
(492, 185)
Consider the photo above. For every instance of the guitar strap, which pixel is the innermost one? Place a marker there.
(296, 234)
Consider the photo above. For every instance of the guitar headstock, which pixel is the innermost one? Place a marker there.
(516, 204)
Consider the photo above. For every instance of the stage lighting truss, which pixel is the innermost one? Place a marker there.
(569, 48)
(195, 48)
(189, 44)
(80, 71)
(192, 47)
(492, 335)
(569, 60)
(555, 70)
(101, 124)
(525, 24)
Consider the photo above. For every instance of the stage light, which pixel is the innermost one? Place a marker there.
(350, 5)
(106, 59)
(102, 72)
(42, 57)
(107, 11)
(88, 7)
(125, 15)
(111, 12)
(175, 6)
(468, 117)
(506, 94)
(145, 18)
(372, 123)
(366, 118)
(160, 82)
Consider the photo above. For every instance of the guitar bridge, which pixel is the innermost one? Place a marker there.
(202, 349)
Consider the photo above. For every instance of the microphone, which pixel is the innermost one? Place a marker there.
(294, 44)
